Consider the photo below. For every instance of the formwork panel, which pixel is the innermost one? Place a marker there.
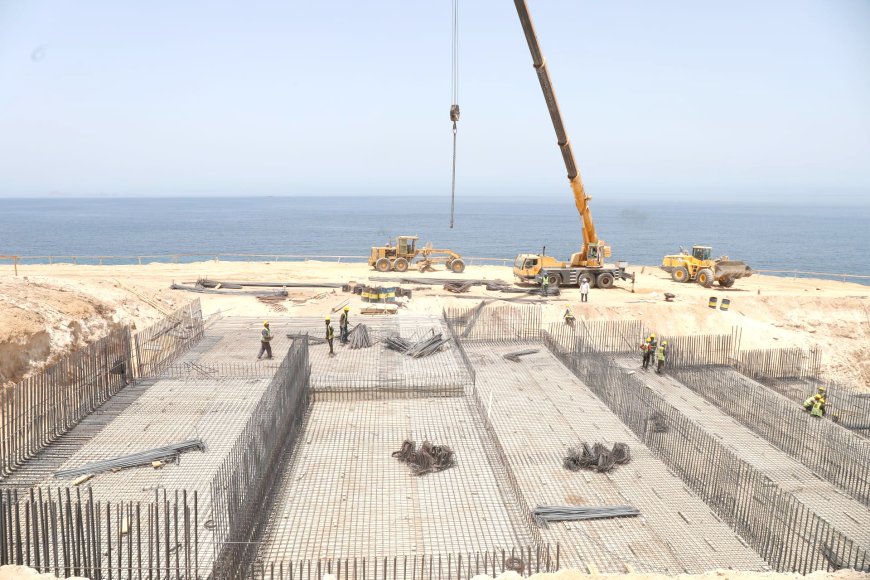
(539, 409)
(344, 495)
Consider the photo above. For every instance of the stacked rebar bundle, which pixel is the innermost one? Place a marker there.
(420, 348)
(515, 356)
(428, 459)
(359, 337)
(597, 457)
(458, 287)
(569, 513)
(163, 454)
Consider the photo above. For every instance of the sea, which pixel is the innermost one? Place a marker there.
(810, 238)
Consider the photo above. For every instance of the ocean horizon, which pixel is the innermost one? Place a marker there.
(828, 238)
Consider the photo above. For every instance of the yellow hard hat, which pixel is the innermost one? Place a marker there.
(265, 323)
(822, 389)
(664, 342)
(346, 308)
(818, 397)
(649, 340)
(652, 336)
(327, 318)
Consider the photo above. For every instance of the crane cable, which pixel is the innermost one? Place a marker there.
(454, 107)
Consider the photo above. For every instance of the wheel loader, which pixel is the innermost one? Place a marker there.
(399, 257)
(700, 267)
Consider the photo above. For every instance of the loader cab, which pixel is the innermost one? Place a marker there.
(702, 253)
(406, 245)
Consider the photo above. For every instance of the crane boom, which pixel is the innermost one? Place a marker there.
(589, 254)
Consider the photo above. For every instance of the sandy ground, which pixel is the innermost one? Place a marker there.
(24, 573)
(49, 309)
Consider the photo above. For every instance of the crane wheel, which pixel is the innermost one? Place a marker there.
(726, 282)
(554, 280)
(705, 277)
(680, 274)
(400, 265)
(457, 266)
(382, 265)
(605, 280)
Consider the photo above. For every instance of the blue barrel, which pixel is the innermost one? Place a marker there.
(712, 303)
(725, 304)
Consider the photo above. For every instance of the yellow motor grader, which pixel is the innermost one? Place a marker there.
(400, 257)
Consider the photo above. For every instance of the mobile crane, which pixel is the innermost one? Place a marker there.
(588, 263)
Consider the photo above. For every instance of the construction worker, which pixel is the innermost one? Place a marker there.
(661, 355)
(815, 405)
(545, 284)
(584, 290)
(569, 316)
(343, 324)
(653, 344)
(330, 335)
(646, 349)
(265, 339)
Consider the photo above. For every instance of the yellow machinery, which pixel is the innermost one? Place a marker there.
(699, 266)
(588, 263)
(400, 256)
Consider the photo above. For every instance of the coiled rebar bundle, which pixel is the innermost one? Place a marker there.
(597, 457)
(428, 459)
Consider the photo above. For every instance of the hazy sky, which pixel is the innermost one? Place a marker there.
(745, 97)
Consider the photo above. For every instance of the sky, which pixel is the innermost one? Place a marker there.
(745, 99)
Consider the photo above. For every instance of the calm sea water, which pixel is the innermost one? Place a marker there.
(824, 239)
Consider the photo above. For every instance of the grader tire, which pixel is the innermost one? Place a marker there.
(400, 265)
(382, 265)
(457, 266)
(680, 274)
(705, 277)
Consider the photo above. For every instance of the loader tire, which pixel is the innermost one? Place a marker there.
(457, 266)
(382, 265)
(705, 277)
(680, 274)
(400, 265)
(726, 282)
(605, 280)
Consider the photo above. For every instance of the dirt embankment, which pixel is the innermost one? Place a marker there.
(43, 320)
(50, 309)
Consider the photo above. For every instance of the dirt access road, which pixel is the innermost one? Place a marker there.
(48, 310)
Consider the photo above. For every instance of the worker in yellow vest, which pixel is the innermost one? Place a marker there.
(661, 355)
(647, 349)
(815, 405)
(265, 339)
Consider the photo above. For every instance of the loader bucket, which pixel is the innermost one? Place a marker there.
(732, 269)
